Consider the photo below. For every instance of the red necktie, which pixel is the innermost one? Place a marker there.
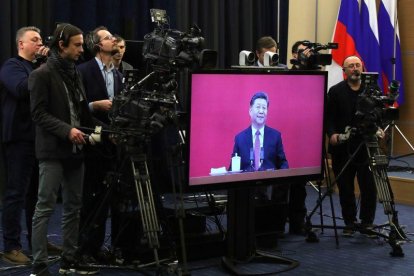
(257, 150)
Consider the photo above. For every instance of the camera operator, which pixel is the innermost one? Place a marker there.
(299, 48)
(342, 101)
(297, 191)
(102, 82)
(18, 137)
(263, 45)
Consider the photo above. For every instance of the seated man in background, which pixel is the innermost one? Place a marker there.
(263, 45)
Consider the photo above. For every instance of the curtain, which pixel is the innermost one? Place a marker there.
(228, 26)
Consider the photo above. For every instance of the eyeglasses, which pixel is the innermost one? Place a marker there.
(108, 37)
(353, 65)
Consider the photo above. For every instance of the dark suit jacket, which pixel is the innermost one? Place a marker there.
(95, 87)
(274, 155)
(50, 111)
(17, 122)
(279, 65)
(125, 66)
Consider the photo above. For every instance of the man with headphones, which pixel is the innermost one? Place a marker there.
(102, 82)
(59, 108)
(341, 108)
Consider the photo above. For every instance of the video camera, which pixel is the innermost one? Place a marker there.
(315, 59)
(144, 107)
(167, 47)
(373, 108)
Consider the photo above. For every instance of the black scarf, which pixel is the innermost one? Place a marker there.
(67, 70)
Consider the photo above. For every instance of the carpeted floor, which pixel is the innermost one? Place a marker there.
(358, 255)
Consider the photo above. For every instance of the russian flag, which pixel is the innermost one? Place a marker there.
(390, 50)
(369, 49)
(347, 35)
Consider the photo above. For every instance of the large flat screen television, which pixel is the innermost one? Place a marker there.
(220, 110)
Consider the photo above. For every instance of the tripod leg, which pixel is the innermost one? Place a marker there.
(378, 165)
(175, 165)
(146, 204)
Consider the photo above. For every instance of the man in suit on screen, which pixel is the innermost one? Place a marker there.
(260, 147)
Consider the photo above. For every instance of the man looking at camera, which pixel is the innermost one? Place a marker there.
(342, 100)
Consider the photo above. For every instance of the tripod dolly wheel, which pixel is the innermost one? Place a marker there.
(312, 238)
(397, 251)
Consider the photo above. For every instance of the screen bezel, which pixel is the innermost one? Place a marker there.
(259, 178)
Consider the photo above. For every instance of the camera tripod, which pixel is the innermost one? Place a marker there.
(378, 163)
(392, 126)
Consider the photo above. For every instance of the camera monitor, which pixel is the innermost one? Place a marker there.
(220, 110)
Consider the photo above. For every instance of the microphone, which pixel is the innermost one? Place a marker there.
(261, 157)
(251, 159)
(394, 86)
(394, 90)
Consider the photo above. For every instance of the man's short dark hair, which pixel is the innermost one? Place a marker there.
(295, 46)
(63, 32)
(118, 38)
(265, 42)
(259, 95)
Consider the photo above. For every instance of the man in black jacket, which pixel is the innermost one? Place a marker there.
(59, 108)
(342, 102)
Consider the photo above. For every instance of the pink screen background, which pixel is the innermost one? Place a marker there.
(220, 110)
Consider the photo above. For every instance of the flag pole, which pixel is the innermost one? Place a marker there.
(394, 58)
(278, 22)
(316, 21)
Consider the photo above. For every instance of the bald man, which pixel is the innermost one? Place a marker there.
(342, 100)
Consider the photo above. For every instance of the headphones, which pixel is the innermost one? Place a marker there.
(62, 35)
(94, 42)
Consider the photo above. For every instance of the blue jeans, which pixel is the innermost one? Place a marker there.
(52, 174)
(20, 161)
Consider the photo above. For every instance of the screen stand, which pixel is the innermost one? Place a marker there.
(241, 245)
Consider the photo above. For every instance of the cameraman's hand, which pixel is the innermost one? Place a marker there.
(103, 105)
(43, 51)
(340, 138)
(307, 52)
(380, 133)
(76, 136)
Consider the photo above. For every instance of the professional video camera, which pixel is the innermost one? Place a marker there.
(167, 47)
(373, 108)
(314, 59)
(147, 105)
